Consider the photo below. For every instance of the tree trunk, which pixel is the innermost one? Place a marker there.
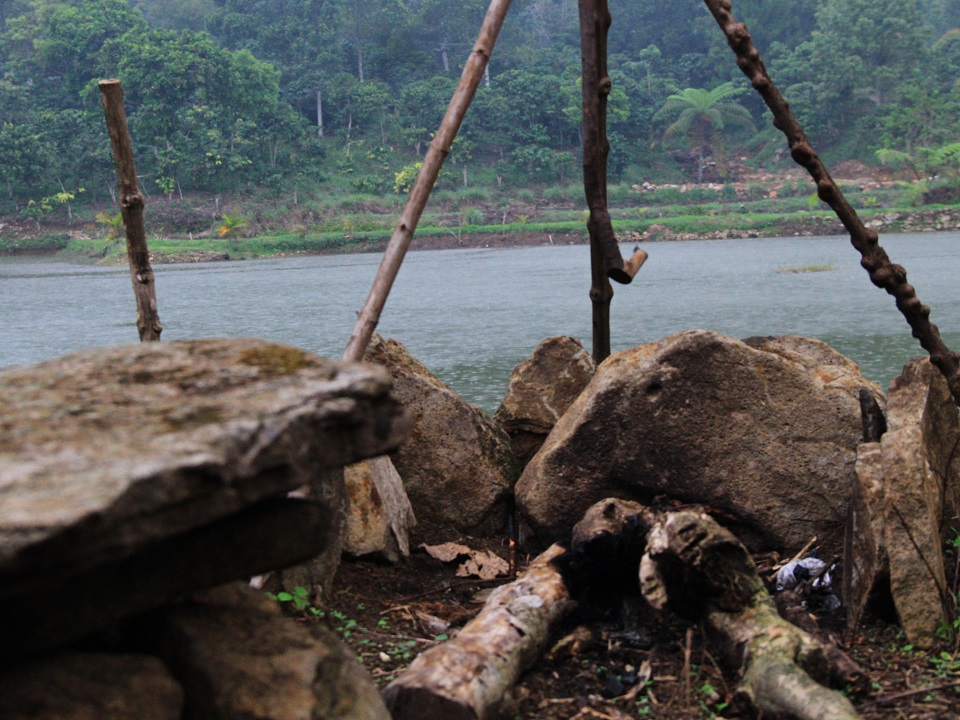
(131, 207)
(467, 678)
(319, 114)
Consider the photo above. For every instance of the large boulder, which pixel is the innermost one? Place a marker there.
(135, 474)
(906, 503)
(238, 657)
(91, 686)
(765, 430)
(457, 466)
(541, 389)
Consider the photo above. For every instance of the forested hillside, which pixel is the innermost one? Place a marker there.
(284, 96)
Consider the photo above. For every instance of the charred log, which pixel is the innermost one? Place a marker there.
(700, 570)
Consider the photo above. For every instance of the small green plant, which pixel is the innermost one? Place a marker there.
(945, 664)
(403, 180)
(167, 185)
(342, 624)
(821, 267)
(37, 209)
(298, 600)
(113, 223)
(231, 224)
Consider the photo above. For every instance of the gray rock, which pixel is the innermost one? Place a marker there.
(766, 431)
(380, 516)
(238, 657)
(921, 481)
(540, 391)
(91, 686)
(106, 455)
(457, 466)
(865, 563)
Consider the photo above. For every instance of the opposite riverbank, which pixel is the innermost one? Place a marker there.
(207, 228)
(76, 244)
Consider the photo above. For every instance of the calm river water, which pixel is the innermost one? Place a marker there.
(473, 315)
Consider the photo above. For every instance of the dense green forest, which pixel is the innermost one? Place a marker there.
(281, 97)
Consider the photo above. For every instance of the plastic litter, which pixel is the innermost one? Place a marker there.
(797, 571)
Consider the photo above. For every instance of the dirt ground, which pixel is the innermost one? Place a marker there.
(609, 662)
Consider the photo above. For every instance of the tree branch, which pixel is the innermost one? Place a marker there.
(883, 273)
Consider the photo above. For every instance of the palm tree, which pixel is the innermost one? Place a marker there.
(701, 117)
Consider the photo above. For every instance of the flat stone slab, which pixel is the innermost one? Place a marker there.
(107, 450)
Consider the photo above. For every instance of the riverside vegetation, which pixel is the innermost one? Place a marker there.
(299, 126)
(204, 227)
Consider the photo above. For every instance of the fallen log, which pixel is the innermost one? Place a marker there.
(844, 672)
(700, 570)
(467, 677)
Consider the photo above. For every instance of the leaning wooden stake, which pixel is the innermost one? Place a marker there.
(131, 208)
(466, 678)
(436, 153)
(605, 259)
(874, 259)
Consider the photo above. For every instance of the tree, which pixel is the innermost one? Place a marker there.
(176, 14)
(701, 118)
(860, 56)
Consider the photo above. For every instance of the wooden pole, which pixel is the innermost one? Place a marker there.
(605, 260)
(131, 208)
(437, 152)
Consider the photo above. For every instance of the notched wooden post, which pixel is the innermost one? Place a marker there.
(606, 262)
(131, 208)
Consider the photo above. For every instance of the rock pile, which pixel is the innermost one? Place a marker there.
(131, 477)
(136, 481)
(905, 505)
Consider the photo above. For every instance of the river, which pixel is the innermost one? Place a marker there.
(472, 315)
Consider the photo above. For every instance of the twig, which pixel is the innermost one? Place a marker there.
(874, 259)
(909, 693)
(453, 586)
(803, 551)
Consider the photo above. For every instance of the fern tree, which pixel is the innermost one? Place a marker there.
(932, 167)
(701, 118)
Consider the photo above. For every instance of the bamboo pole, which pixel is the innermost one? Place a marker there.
(436, 153)
(131, 208)
(873, 258)
(606, 262)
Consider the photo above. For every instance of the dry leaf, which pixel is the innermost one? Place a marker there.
(447, 552)
(481, 563)
(484, 564)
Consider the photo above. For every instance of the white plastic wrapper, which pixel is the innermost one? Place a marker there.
(798, 570)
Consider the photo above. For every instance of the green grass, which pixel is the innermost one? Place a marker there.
(825, 267)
